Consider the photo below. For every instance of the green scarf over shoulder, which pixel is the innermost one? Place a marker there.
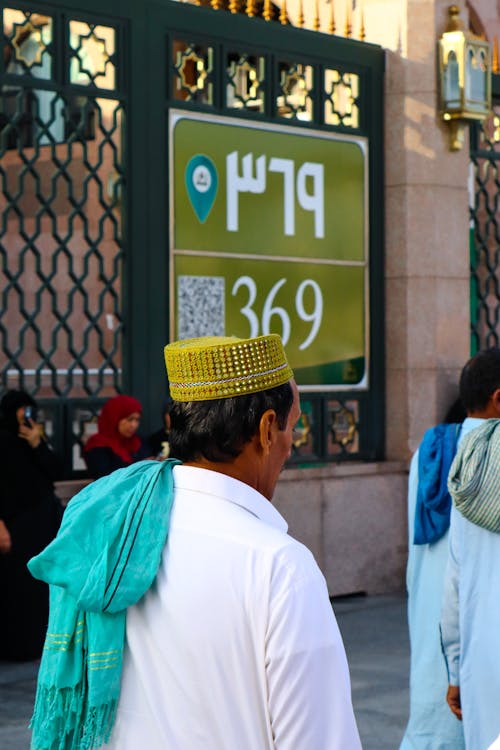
(105, 557)
(474, 478)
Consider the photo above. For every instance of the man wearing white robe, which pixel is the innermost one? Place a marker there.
(431, 725)
(470, 622)
(236, 646)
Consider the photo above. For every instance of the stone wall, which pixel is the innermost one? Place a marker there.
(353, 519)
(427, 252)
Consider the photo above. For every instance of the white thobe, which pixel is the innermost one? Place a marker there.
(236, 644)
(470, 626)
(431, 725)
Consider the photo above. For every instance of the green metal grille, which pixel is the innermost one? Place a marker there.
(295, 97)
(328, 429)
(258, 82)
(485, 233)
(62, 180)
(61, 237)
(194, 68)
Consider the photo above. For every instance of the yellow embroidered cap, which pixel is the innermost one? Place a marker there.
(222, 367)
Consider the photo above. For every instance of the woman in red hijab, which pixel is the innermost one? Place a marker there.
(115, 443)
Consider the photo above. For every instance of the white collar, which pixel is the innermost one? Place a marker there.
(232, 490)
(470, 423)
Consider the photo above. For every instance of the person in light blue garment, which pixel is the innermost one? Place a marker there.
(431, 726)
(470, 621)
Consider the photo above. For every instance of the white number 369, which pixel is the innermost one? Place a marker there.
(270, 310)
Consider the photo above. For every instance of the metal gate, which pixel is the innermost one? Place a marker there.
(85, 95)
(62, 115)
(485, 229)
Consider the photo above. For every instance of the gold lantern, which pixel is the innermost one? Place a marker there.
(464, 77)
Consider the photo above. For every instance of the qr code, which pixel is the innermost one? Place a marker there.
(200, 306)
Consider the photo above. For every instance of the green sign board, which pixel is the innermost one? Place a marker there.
(269, 234)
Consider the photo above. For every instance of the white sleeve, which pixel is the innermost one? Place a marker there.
(450, 625)
(307, 674)
(412, 504)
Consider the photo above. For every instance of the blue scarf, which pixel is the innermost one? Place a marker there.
(435, 456)
(105, 557)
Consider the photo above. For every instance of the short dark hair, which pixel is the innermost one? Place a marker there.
(217, 430)
(480, 378)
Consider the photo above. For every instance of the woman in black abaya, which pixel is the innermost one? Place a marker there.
(29, 519)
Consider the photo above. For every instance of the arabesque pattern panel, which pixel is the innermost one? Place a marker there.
(62, 181)
(485, 233)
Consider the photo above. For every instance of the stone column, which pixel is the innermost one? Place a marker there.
(427, 251)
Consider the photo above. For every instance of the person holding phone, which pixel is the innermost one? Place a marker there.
(30, 514)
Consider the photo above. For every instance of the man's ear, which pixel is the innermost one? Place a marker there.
(267, 430)
(495, 402)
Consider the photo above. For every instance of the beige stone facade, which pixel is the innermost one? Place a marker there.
(355, 516)
(427, 251)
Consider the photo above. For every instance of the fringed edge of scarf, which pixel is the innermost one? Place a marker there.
(62, 721)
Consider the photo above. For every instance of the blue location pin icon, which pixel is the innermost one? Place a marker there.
(201, 182)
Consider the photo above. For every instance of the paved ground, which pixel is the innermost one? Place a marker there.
(374, 632)
(376, 639)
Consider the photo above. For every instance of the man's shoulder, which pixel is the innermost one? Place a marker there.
(439, 444)
(286, 550)
(283, 550)
(440, 432)
(295, 562)
(435, 435)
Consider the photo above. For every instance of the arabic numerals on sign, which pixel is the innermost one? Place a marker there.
(248, 182)
(270, 310)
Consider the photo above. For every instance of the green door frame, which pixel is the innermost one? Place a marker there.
(308, 47)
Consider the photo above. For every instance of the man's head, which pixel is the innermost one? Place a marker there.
(480, 385)
(235, 406)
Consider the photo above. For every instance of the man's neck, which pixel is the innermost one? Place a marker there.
(482, 414)
(491, 410)
(242, 468)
